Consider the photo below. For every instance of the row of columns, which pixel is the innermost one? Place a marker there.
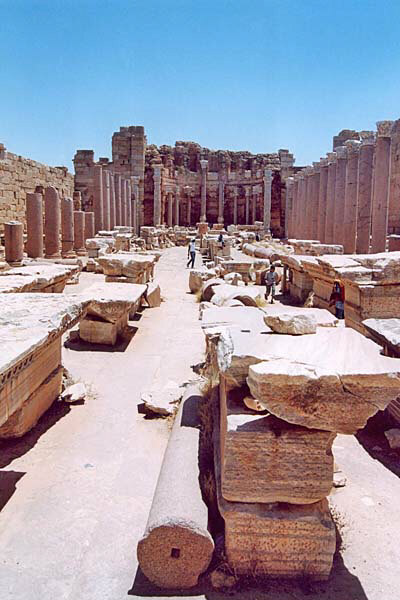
(115, 200)
(65, 229)
(344, 198)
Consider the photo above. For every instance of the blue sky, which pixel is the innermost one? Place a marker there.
(254, 75)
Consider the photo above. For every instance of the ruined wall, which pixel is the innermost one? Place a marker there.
(19, 176)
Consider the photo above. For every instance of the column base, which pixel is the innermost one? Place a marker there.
(221, 220)
(81, 252)
(56, 255)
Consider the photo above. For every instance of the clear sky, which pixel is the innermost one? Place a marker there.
(254, 75)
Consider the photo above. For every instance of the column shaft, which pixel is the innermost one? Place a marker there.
(117, 185)
(67, 228)
(221, 193)
(340, 187)
(52, 223)
(330, 198)
(79, 232)
(89, 225)
(322, 200)
(106, 200)
(380, 195)
(203, 211)
(34, 225)
(14, 242)
(350, 198)
(112, 201)
(267, 199)
(364, 195)
(98, 197)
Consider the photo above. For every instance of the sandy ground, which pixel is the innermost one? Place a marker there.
(76, 491)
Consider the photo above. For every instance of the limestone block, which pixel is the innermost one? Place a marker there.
(265, 459)
(322, 317)
(207, 290)
(276, 539)
(74, 393)
(385, 332)
(292, 323)
(96, 331)
(112, 301)
(176, 546)
(248, 295)
(153, 295)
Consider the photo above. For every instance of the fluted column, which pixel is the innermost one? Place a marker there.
(112, 201)
(106, 200)
(34, 225)
(98, 197)
(301, 211)
(123, 202)
(267, 199)
(128, 195)
(394, 191)
(247, 192)
(322, 199)
(288, 204)
(203, 211)
(14, 242)
(188, 190)
(340, 187)
(117, 186)
(380, 195)
(221, 197)
(350, 197)
(330, 198)
(177, 203)
(235, 205)
(308, 182)
(52, 223)
(67, 228)
(79, 233)
(89, 225)
(157, 195)
(315, 200)
(136, 204)
(170, 200)
(253, 205)
(364, 194)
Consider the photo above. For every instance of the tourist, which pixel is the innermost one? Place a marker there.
(221, 239)
(337, 298)
(191, 253)
(271, 279)
(257, 237)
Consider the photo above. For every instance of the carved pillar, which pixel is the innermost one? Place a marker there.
(301, 206)
(380, 195)
(330, 198)
(34, 225)
(289, 204)
(98, 197)
(322, 198)
(67, 228)
(157, 195)
(203, 211)
(364, 194)
(350, 197)
(170, 200)
(52, 223)
(14, 242)
(340, 187)
(221, 193)
(267, 199)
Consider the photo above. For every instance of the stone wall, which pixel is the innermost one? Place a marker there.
(19, 176)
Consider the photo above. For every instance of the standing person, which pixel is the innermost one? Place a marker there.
(271, 279)
(191, 253)
(337, 298)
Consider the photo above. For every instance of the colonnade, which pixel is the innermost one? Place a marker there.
(347, 197)
(115, 200)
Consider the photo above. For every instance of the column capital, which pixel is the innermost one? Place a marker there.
(136, 179)
(323, 162)
(341, 152)
(331, 156)
(247, 174)
(316, 167)
(157, 169)
(368, 141)
(289, 181)
(204, 164)
(384, 128)
(267, 174)
(353, 147)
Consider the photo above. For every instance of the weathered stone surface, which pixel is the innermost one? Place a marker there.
(207, 290)
(233, 278)
(177, 547)
(292, 323)
(248, 295)
(197, 277)
(153, 295)
(74, 393)
(385, 332)
(136, 266)
(265, 459)
(246, 317)
(47, 278)
(322, 317)
(112, 300)
(393, 438)
(163, 401)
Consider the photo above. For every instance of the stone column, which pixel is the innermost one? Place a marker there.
(308, 184)
(177, 201)
(52, 223)
(123, 202)
(98, 197)
(157, 195)
(112, 201)
(340, 187)
(221, 194)
(170, 200)
(267, 199)
(350, 197)
(77, 199)
(235, 205)
(247, 192)
(106, 200)
(301, 206)
(67, 228)
(79, 232)
(34, 225)
(117, 186)
(253, 205)
(322, 199)
(288, 204)
(330, 198)
(203, 211)
(364, 194)
(128, 196)
(188, 192)
(14, 242)
(315, 200)
(89, 225)
(380, 195)
(394, 192)
(136, 202)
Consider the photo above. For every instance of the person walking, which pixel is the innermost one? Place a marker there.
(337, 298)
(271, 279)
(191, 253)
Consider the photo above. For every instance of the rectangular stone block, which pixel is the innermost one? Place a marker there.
(265, 459)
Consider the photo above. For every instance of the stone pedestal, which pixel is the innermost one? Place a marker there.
(364, 195)
(14, 242)
(350, 198)
(322, 198)
(67, 228)
(267, 199)
(52, 223)
(98, 198)
(203, 210)
(330, 198)
(157, 195)
(34, 225)
(79, 232)
(380, 196)
(89, 225)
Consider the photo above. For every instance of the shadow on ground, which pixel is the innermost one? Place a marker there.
(8, 485)
(373, 440)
